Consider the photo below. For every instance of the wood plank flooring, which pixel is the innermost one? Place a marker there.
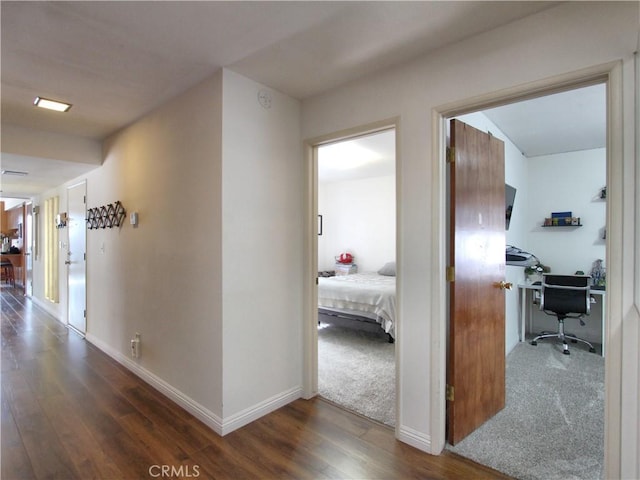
(71, 412)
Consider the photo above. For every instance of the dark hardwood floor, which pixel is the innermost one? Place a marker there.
(71, 412)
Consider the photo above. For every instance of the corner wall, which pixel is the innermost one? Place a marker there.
(262, 250)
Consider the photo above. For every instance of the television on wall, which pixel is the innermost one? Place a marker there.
(509, 198)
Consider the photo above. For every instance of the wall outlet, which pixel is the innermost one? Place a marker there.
(135, 346)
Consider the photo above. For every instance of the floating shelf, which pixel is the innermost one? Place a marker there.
(561, 226)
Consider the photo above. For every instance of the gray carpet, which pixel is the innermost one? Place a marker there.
(356, 368)
(553, 424)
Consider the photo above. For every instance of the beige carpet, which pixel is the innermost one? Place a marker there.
(553, 424)
(356, 368)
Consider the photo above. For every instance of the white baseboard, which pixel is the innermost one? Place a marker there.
(248, 415)
(46, 306)
(201, 413)
(220, 426)
(415, 439)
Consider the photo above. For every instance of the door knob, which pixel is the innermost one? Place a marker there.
(67, 262)
(505, 285)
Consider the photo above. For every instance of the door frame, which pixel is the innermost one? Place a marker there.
(611, 75)
(310, 330)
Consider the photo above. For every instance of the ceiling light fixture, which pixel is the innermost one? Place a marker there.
(51, 104)
(14, 172)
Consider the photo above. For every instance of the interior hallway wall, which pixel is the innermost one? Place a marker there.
(161, 278)
(263, 221)
(563, 39)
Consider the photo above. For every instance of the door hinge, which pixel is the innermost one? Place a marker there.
(451, 156)
(84, 256)
(450, 393)
(317, 281)
(451, 274)
(84, 199)
(84, 314)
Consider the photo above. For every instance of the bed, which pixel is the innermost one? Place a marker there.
(365, 296)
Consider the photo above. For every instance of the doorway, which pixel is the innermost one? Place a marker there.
(76, 257)
(355, 194)
(603, 243)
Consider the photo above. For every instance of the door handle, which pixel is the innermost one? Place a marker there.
(67, 262)
(505, 285)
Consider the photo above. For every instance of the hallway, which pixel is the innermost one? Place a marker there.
(69, 411)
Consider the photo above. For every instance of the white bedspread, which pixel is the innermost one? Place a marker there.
(368, 294)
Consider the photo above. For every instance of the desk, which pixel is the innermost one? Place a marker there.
(525, 308)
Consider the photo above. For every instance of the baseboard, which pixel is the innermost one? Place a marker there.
(201, 413)
(47, 308)
(220, 426)
(415, 439)
(248, 415)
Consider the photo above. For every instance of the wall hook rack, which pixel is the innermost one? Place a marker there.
(107, 216)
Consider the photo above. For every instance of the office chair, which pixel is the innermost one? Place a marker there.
(565, 296)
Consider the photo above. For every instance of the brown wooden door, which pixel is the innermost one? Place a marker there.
(476, 367)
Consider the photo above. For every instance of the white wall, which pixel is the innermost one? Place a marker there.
(568, 182)
(515, 174)
(557, 41)
(263, 223)
(359, 217)
(212, 276)
(162, 279)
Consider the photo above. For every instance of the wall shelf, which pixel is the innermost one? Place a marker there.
(561, 226)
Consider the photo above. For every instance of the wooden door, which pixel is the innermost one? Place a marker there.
(476, 364)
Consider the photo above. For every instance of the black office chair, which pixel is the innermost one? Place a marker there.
(565, 296)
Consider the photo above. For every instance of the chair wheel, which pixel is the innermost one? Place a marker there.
(566, 352)
(592, 350)
(534, 343)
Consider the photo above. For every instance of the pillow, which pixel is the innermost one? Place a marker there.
(389, 269)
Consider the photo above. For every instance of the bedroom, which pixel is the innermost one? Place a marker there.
(356, 197)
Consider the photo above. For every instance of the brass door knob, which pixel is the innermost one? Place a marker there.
(505, 285)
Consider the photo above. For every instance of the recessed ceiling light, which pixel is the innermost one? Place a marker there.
(51, 104)
(14, 172)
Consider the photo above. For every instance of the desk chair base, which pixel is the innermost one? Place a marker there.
(564, 337)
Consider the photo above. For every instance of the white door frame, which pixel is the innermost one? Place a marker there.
(310, 330)
(611, 74)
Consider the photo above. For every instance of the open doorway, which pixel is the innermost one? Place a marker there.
(554, 416)
(356, 253)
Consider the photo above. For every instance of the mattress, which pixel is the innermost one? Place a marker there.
(366, 294)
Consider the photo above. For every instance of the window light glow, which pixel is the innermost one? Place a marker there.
(51, 104)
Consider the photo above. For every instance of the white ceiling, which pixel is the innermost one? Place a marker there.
(562, 122)
(116, 61)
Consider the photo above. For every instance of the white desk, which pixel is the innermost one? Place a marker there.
(526, 306)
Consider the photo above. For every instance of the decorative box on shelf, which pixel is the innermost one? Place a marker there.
(562, 219)
(346, 268)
